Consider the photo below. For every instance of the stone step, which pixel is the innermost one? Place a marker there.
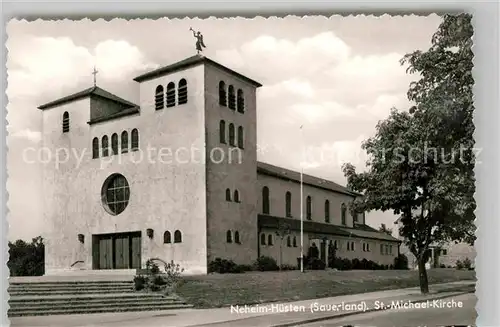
(94, 304)
(57, 311)
(53, 302)
(69, 297)
(69, 291)
(69, 288)
(69, 285)
(51, 283)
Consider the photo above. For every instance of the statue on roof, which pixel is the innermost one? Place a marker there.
(199, 40)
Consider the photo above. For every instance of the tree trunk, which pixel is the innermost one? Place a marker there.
(422, 276)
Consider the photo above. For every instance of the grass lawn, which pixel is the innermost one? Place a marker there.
(220, 290)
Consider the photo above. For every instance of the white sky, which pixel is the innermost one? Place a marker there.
(338, 76)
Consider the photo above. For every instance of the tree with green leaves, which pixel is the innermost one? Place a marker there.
(421, 162)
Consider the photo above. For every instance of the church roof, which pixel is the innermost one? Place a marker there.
(190, 62)
(366, 231)
(290, 175)
(320, 228)
(95, 90)
(122, 113)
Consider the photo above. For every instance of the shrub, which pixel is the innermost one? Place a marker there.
(224, 266)
(459, 265)
(346, 264)
(246, 267)
(367, 264)
(159, 280)
(173, 272)
(288, 267)
(156, 281)
(442, 265)
(401, 262)
(155, 288)
(221, 266)
(152, 267)
(140, 282)
(467, 264)
(356, 264)
(317, 264)
(266, 264)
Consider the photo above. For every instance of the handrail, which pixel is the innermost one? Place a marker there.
(74, 263)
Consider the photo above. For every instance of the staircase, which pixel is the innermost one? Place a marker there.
(37, 298)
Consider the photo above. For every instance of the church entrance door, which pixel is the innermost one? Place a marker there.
(117, 251)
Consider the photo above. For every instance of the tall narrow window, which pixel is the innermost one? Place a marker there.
(135, 139)
(105, 146)
(270, 239)
(124, 142)
(183, 92)
(265, 200)
(236, 196)
(222, 94)
(309, 208)
(327, 211)
(231, 98)
(222, 132)
(177, 236)
(240, 101)
(294, 242)
(170, 94)
(237, 237)
(95, 148)
(65, 122)
(289, 241)
(343, 211)
(167, 238)
(114, 143)
(262, 239)
(240, 137)
(231, 135)
(229, 237)
(159, 98)
(288, 204)
(228, 194)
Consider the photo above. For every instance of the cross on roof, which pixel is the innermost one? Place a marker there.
(95, 73)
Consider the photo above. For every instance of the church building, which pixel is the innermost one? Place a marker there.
(176, 177)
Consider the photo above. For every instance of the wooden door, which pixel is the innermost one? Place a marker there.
(135, 258)
(121, 252)
(106, 252)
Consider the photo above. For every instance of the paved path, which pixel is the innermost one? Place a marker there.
(465, 316)
(223, 316)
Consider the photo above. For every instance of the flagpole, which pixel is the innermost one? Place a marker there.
(301, 204)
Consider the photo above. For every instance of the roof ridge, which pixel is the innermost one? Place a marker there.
(93, 90)
(320, 181)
